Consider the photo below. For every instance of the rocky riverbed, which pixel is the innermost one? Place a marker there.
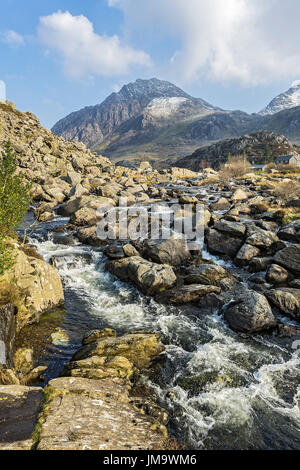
(230, 371)
(201, 346)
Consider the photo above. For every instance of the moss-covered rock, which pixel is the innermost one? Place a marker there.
(139, 348)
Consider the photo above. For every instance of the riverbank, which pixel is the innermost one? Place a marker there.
(213, 378)
(227, 312)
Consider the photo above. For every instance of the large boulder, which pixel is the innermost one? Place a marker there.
(250, 313)
(207, 274)
(149, 277)
(87, 414)
(88, 235)
(186, 294)
(86, 201)
(140, 348)
(85, 216)
(174, 251)
(287, 300)
(289, 258)
(260, 238)
(235, 229)
(223, 244)
(277, 275)
(245, 254)
(221, 205)
(110, 190)
(37, 287)
(239, 195)
(260, 264)
(290, 232)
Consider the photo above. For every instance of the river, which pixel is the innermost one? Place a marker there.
(223, 390)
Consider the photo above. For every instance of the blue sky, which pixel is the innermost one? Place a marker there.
(58, 56)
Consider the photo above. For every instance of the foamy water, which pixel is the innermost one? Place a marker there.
(245, 390)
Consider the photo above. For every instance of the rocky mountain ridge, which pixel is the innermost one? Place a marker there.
(254, 146)
(286, 100)
(156, 120)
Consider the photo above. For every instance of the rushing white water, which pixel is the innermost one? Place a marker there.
(222, 390)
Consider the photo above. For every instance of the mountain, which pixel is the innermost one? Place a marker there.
(287, 100)
(138, 114)
(156, 120)
(160, 100)
(253, 146)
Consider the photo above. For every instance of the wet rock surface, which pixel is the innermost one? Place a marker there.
(37, 287)
(149, 277)
(250, 313)
(287, 300)
(104, 417)
(230, 337)
(19, 408)
(93, 409)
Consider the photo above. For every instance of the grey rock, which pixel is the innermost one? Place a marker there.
(250, 313)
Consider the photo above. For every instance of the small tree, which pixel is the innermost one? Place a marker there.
(268, 154)
(15, 197)
(237, 167)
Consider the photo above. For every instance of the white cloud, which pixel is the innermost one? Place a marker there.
(12, 38)
(252, 42)
(84, 52)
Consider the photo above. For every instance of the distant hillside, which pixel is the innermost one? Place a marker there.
(285, 122)
(155, 120)
(254, 146)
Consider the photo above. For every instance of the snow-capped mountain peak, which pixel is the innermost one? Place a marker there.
(287, 100)
(165, 107)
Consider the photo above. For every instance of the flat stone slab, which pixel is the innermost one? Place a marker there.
(19, 408)
(87, 414)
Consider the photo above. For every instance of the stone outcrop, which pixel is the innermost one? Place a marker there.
(150, 278)
(86, 414)
(289, 258)
(138, 348)
(173, 251)
(19, 408)
(287, 300)
(186, 294)
(93, 407)
(207, 274)
(223, 244)
(245, 254)
(252, 145)
(50, 162)
(32, 285)
(249, 313)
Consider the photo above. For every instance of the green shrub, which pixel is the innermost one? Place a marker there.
(15, 197)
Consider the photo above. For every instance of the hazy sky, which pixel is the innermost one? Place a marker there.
(57, 56)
